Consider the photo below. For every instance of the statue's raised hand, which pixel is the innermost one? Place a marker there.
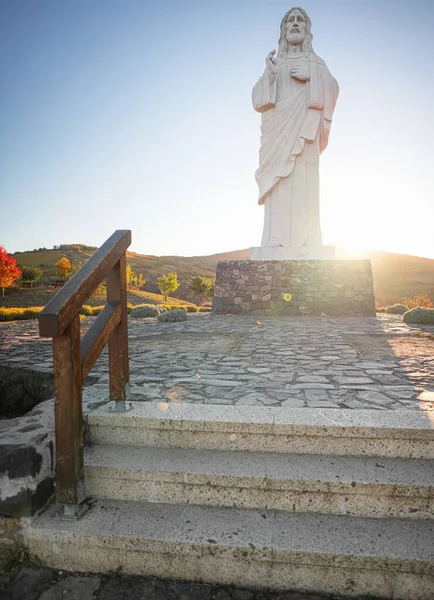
(271, 64)
(300, 72)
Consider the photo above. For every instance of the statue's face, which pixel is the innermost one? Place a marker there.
(296, 28)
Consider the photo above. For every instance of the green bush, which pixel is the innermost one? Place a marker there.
(173, 316)
(129, 308)
(420, 315)
(97, 309)
(205, 309)
(192, 309)
(86, 310)
(396, 309)
(145, 311)
(380, 309)
(21, 390)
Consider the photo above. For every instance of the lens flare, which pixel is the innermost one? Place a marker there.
(287, 297)
(173, 396)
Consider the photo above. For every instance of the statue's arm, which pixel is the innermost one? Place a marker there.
(264, 92)
(331, 93)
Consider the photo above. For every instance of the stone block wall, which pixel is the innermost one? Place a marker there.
(298, 287)
(27, 462)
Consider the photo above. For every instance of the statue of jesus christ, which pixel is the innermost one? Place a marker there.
(296, 96)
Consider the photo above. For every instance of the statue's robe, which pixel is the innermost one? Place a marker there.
(296, 120)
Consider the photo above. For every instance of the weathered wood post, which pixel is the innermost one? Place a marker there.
(74, 357)
(118, 342)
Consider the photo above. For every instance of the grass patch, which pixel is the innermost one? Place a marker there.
(21, 390)
(40, 296)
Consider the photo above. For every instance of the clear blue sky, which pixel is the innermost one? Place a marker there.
(137, 114)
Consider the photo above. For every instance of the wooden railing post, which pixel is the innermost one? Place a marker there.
(118, 342)
(70, 491)
(73, 358)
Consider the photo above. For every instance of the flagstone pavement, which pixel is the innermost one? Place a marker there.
(314, 362)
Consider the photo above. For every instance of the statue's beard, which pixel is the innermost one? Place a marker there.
(295, 38)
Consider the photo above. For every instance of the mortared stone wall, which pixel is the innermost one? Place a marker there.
(296, 287)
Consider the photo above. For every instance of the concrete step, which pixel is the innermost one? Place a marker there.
(352, 556)
(299, 483)
(385, 433)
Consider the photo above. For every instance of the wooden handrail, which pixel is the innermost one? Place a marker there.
(66, 304)
(74, 357)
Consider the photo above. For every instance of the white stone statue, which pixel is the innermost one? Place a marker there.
(296, 96)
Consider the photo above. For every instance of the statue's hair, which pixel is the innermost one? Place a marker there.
(306, 45)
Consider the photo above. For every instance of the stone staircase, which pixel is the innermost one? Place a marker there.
(324, 500)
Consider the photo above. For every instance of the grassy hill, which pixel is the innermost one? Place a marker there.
(396, 276)
(400, 276)
(40, 295)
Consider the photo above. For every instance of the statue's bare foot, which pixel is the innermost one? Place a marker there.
(275, 243)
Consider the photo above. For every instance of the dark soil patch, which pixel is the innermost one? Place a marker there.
(21, 390)
(31, 581)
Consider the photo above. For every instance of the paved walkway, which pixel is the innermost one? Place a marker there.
(313, 362)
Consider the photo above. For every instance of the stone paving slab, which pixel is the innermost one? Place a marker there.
(295, 362)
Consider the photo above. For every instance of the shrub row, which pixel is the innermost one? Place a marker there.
(154, 310)
(22, 314)
(19, 314)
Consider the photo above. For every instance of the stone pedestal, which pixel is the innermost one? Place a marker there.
(295, 287)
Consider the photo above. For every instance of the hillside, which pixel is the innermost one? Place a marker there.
(396, 276)
(400, 276)
(41, 295)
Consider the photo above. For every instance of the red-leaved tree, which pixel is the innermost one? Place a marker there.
(9, 271)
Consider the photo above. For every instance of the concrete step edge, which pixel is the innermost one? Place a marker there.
(404, 424)
(354, 475)
(405, 434)
(203, 542)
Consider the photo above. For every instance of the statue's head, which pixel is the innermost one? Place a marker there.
(295, 30)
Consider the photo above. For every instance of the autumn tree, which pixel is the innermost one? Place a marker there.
(30, 274)
(130, 276)
(63, 267)
(134, 280)
(168, 283)
(210, 289)
(9, 270)
(419, 300)
(140, 281)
